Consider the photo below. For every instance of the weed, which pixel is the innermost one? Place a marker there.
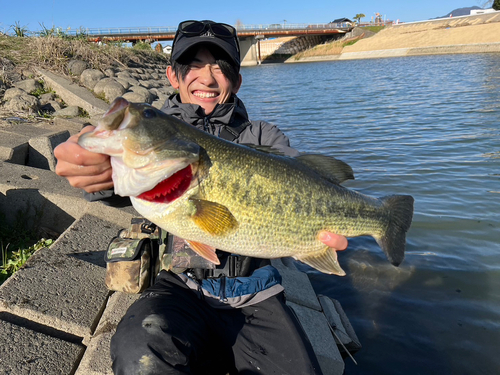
(16, 259)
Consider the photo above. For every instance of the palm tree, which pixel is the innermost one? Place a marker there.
(358, 17)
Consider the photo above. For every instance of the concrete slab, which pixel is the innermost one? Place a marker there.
(63, 287)
(316, 327)
(41, 151)
(73, 125)
(397, 52)
(73, 94)
(298, 288)
(27, 352)
(97, 360)
(13, 148)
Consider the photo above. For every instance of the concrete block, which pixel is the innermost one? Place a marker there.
(73, 94)
(97, 360)
(27, 352)
(13, 147)
(63, 286)
(298, 288)
(316, 327)
(73, 125)
(44, 198)
(41, 151)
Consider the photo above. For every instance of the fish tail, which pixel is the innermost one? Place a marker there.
(393, 238)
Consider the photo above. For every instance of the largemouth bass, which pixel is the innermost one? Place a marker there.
(220, 195)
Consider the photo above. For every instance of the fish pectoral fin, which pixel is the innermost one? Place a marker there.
(324, 261)
(207, 252)
(213, 218)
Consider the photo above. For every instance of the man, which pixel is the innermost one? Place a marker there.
(180, 325)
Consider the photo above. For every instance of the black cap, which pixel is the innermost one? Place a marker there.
(183, 42)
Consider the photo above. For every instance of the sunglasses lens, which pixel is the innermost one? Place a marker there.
(222, 30)
(192, 27)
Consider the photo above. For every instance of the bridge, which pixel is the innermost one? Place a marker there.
(249, 35)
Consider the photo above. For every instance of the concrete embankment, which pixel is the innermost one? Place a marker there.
(467, 34)
(56, 315)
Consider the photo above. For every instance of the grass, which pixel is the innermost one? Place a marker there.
(54, 50)
(19, 239)
(12, 261)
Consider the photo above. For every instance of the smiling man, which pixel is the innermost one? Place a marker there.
(228, 320)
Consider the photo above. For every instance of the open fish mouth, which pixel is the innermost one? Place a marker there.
(171, 188)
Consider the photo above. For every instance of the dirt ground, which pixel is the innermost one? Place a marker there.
(463, 30)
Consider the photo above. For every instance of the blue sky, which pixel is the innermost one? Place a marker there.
(126, 13)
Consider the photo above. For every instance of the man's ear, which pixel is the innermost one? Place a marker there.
(237, 87)
(172, 77)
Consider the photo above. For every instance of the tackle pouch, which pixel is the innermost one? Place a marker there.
(132, 257)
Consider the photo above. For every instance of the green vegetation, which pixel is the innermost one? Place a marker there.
(13, 261)
(142, 46)
(19, 31)
(358, 17)
(18, 240)
(374, 29)
(496, 5)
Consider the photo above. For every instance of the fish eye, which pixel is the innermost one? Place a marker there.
(149, 113)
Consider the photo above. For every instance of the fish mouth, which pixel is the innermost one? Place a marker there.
(171, 188)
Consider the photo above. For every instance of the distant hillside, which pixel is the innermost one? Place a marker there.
(460, 12)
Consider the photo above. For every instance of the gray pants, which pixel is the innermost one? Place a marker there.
(169, 330)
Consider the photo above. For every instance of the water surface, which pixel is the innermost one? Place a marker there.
(428, 126)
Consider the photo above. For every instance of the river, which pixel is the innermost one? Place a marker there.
(428, 126)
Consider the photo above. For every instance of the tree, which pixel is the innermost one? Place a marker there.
(358, 16)
(495, 4)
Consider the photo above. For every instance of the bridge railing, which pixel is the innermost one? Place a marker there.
(172, 29)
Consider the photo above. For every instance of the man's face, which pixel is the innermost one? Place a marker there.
(204, 84)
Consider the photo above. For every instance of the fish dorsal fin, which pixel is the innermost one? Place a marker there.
(334, 170)
(213, 217)
(324, 261)
(207, 252)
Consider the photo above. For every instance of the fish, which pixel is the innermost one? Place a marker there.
(242, 199)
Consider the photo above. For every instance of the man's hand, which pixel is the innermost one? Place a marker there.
(83, 169)
(335, 241)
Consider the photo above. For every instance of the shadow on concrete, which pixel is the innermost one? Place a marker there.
(28, 209)
(94, 257)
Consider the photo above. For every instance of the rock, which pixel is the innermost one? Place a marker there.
(8, 70)
(51, 106)
(13, 92)
(28, 85)
(90, 77)
(110, 88)
(143, 93)
(76, 67)
(71, 111)
(158, 103)
(46, 98)
(145, 84)
(109, 72)
(124, 83)
(22, 102)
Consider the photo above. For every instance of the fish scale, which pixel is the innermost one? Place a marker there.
(245, 200)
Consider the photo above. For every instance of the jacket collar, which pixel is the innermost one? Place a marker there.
(223, 114)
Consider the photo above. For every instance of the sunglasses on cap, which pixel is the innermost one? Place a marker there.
(197, 28)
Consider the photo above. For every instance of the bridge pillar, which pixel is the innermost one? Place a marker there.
(249, 54)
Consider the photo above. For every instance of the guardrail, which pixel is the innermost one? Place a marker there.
(172, 29)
